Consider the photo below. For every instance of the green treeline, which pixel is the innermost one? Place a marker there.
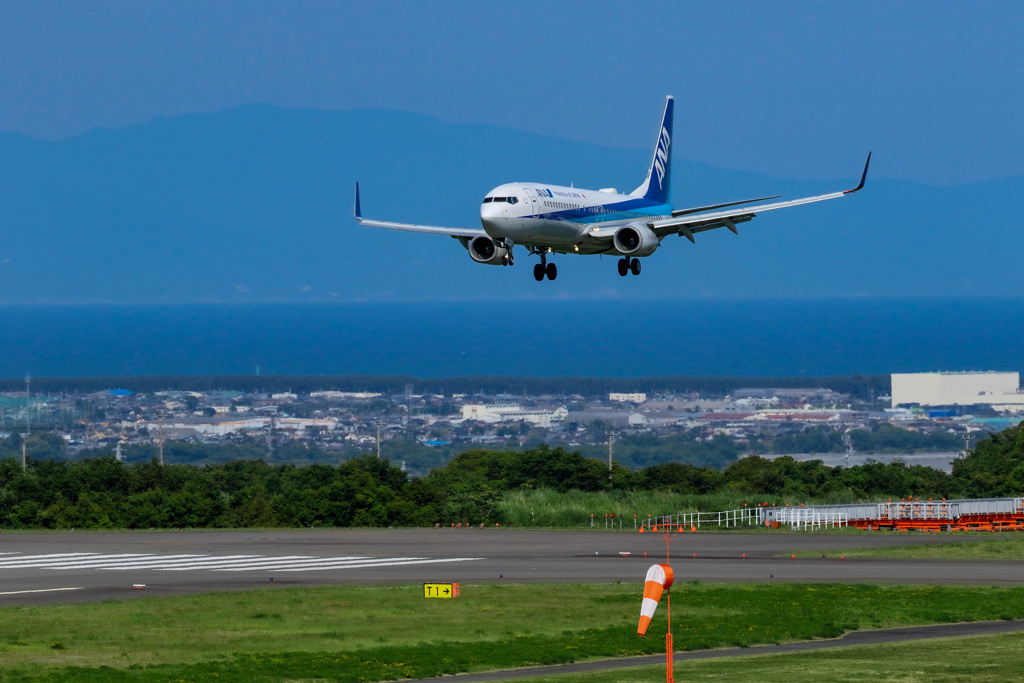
(364, 491)
(102, 493)
(635, 451)
(862, 387)
(883, 438)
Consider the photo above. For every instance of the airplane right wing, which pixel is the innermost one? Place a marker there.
(460, 233)
(691, 221)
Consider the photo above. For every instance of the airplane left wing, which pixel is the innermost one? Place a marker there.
(689, 224)
(461, 233)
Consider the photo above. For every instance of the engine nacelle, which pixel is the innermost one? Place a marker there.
(484, 250)
(635, 240)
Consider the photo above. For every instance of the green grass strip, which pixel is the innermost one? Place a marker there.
(386, 633)
(979, 659)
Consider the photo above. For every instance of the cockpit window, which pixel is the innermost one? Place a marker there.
(500, 199)
(513, 200)
(510, 200)
(487, 200)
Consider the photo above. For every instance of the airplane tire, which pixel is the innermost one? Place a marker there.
(538, 272)
(623, 267)
(635, 266)
(552, 271)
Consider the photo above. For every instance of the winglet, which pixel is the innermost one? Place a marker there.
(863, 176)
(358, 209)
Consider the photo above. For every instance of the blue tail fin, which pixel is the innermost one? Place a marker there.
(656, 185)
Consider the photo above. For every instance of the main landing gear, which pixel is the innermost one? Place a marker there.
(544, 268)
(629, 265)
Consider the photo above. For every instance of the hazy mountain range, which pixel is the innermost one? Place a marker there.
(254, 204)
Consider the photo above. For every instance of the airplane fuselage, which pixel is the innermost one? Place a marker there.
(559, 217)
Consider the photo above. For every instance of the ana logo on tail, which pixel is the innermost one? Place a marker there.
(661, 156)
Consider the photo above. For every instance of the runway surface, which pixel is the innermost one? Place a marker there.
(48, 568)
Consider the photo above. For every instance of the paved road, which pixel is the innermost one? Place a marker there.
(42, 568)
(895, 635)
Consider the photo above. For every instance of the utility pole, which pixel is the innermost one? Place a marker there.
(379, 423)
(408, 405)
(270, 434)
(611, 440)
(848, 442)
(161, 439)
(24, 459)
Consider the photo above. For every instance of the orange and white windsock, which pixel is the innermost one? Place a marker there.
(659, 577)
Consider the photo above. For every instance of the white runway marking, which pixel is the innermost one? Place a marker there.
(43, 590)
(220, 563)
(389, 563)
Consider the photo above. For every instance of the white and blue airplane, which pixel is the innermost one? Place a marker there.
(553, 219)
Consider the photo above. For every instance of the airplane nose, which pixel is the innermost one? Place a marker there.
(491, 218)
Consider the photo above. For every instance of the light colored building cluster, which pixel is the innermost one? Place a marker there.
(1000, 390)
(222, 426)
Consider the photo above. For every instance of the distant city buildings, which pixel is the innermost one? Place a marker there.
(347, 421)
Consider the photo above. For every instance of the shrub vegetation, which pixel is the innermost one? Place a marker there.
(476, 486)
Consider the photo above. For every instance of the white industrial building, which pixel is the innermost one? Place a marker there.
(997, 389)
(512, 413)
(345, 395)
(638, 397)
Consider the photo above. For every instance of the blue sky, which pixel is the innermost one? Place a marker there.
(795, 89)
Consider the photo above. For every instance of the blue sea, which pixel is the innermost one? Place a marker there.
(553, 338)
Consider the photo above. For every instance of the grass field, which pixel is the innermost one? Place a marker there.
(1008, 546)
(979, 659)
(546, 508)
(384, 633)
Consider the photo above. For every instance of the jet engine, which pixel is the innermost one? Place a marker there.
(635, 239)
(484, 250)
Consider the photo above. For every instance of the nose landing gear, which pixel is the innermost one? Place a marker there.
(629, 265)
(544, 269)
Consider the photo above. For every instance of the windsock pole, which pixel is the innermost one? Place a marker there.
(668, 530)
(668, 638)
(668, 616)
